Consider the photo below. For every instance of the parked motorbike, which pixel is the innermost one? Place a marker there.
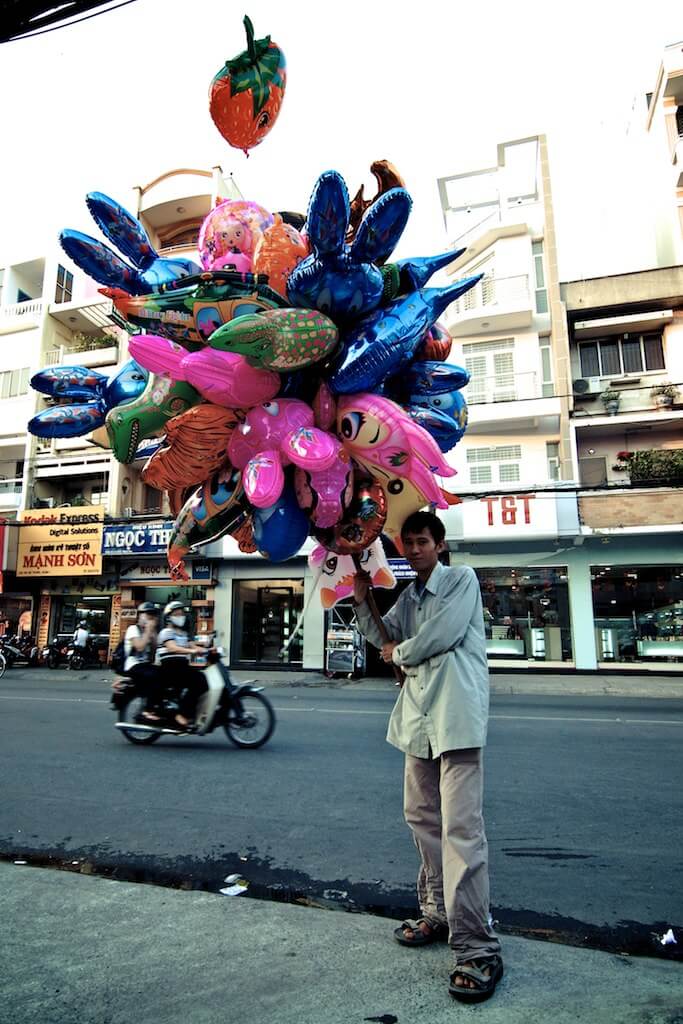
(56, 652)
(18, 652)
(78, 658)
(242, 710)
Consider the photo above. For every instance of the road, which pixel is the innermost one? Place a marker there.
(582, 804)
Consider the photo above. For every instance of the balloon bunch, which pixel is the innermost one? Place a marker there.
(297, 378)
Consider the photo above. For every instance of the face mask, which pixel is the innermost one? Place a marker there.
(178, 620)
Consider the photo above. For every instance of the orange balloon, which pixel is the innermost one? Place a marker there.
(280, 248)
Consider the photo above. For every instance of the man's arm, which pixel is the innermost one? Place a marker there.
(445, 629)
(369, 628)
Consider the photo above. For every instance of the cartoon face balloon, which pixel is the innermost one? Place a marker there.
(383, 438)
(277, 253)
(337, 572)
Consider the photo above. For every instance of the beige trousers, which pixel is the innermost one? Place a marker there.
(443, 808)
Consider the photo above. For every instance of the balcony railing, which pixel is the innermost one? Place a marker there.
(10, 492)
(30, 310)
(495, 291)
(94, 353)
(506, 387)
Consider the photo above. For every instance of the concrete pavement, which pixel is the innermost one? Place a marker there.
(81, 950)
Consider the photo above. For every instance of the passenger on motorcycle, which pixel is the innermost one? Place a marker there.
(139, 647)
(173, 655)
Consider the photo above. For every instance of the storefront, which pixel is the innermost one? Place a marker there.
(638, 613)
(526, 613)
(264, 618)
(138, 552)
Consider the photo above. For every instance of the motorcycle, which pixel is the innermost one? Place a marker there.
(242, 710)
(78, 658)
(56, 652)
(18, 652)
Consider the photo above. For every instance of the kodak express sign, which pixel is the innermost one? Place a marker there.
(61, 541)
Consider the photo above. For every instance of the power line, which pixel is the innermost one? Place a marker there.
(66, 24)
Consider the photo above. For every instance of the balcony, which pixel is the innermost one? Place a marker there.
(632, 509)
(50, 466)
(21, 316)
(494, 304)
(511, 402)
(10, 492)
(91, 352)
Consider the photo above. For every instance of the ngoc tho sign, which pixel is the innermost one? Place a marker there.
(61, 542)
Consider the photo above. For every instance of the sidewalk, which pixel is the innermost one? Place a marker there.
(82, 950)
(599, 684)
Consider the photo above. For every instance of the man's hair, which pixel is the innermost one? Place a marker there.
(419, 521)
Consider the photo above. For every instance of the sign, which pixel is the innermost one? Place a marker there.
(137, 539)
(159, 572)
(61, 542)
(401, 569)
(509, 517)
(43, 621)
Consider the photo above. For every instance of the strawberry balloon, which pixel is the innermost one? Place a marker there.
(246, 94)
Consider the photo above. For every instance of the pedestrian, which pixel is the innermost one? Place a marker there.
(440, 721)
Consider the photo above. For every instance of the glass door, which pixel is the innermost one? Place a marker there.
(265, 615)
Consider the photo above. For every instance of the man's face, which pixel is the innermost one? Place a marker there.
(421, 550)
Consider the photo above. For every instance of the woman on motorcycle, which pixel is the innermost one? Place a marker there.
(139, 647)
(173, 655)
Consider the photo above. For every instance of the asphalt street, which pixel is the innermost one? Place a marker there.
(582, 804)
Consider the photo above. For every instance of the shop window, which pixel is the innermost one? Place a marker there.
(638, 613)
(265, 614)
(65, 285)
(614, 357)
(526, 613)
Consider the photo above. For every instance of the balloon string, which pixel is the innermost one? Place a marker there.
(300, 623)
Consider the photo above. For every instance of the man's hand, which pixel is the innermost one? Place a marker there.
(361, 583)
(388, 650)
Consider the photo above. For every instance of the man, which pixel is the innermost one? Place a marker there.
(81, 635)
(439, 721)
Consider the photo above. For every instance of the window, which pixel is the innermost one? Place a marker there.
(679, 122)
(552, 451)
(65, 285)
(539, 277)
(491, 369)
(481, 463)
(621, 354)
(23, 296)
(547, 388)
(14, 382)
(152, 499)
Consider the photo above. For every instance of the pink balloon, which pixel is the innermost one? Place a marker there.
(324, 407)
(227, 379)
(266, 426)
(311, 448)
(263, 479)
(326, 494)
(158, 355)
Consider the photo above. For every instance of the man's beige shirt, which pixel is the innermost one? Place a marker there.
(444, 702)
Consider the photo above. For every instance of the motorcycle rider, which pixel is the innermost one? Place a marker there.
(139, 646)
(173, 655)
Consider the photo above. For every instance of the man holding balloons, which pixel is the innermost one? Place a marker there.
(436, 631)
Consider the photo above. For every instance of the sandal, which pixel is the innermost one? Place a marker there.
(437, 932)
(149, 716)
(485, 984)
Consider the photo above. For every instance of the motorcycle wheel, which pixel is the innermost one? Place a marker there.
(3, 665)
(77, 662)
(53, 660)
(128, 713)
(256, 724)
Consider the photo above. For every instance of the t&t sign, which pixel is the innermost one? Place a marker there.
(509, 508)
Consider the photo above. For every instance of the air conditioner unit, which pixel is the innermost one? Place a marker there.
(585, 386)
